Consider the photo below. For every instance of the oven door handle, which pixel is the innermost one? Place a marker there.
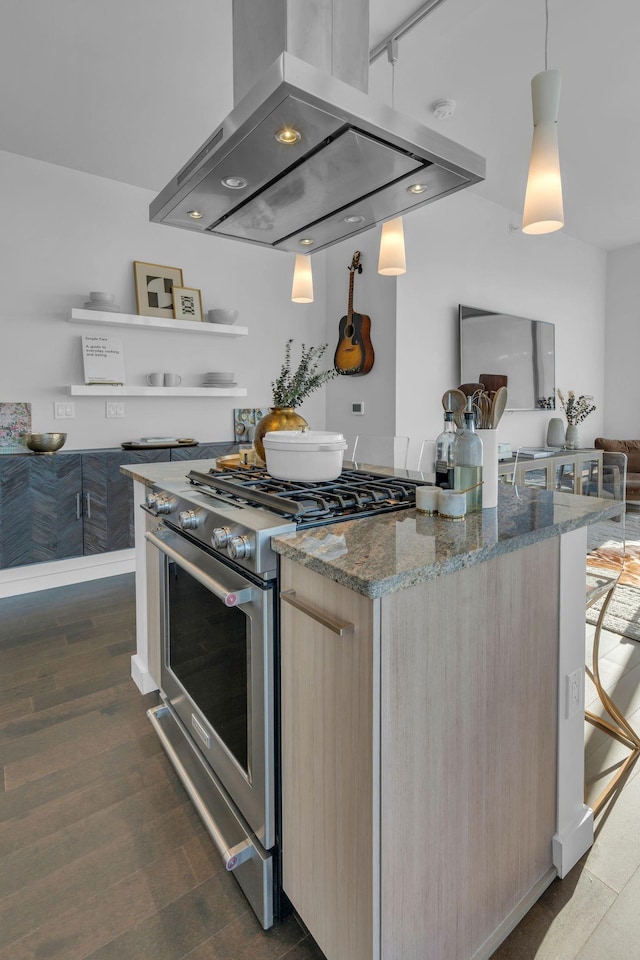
(231, 598)
(233, 856)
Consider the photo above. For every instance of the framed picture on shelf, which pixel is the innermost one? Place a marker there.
(154, 284)
(187, 303)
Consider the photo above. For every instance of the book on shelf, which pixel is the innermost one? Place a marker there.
(103, 360)
(535, 453)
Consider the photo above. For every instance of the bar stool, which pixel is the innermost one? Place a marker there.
(605, 566)
(380, 451)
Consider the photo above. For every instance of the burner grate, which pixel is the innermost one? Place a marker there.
(354, 493)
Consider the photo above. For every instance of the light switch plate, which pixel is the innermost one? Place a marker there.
(64, 410)
(114, 408)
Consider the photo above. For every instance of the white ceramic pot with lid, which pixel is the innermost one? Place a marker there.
(304, 455)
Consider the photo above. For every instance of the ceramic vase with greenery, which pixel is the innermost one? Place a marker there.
(290, 389)
(576, 409)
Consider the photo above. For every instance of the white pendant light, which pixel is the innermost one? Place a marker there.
(302, 289)
(392, 260)
(543, 209)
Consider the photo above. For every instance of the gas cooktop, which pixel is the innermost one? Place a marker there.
(355, 493)
(234, 513)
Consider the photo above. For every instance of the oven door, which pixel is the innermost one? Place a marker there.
(217, 672)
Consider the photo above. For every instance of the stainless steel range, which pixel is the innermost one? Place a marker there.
(219, 716)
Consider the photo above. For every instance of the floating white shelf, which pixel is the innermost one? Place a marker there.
(106, 390)
(156, 323)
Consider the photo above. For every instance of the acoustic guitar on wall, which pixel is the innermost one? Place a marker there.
(354, 354)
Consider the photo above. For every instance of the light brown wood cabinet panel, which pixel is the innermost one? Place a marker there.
(419, 757)
(329, 765)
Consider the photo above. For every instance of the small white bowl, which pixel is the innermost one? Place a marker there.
(101, 297)
(222, 315)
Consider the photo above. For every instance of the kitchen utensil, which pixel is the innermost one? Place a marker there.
(45, 442)
(455, 402)
(498, 404)
(304, 454)
(473, 487)
(222, 315)
(482, 408)
(470, 388)
(492, 381)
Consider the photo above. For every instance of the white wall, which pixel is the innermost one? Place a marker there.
(374, 296)
(64, 233)
(460, 250)
(622, 379)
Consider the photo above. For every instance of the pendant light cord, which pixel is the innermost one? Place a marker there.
(546, 32)
(392, 57)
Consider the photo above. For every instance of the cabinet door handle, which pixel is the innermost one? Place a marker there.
(341, 627)
(78, 506)
(89, 506)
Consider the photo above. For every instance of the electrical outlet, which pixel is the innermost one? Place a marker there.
(574, 691)
(114, 408)
(64, 410)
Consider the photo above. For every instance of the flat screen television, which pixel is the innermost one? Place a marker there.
(523, 350)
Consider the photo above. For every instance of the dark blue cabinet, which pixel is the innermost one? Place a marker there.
(67, 504)
(107, 498)
(40, 508)
(77, 503)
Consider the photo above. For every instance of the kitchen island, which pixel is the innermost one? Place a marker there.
(431, 756)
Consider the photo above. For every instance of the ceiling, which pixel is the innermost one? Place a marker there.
(129, 89)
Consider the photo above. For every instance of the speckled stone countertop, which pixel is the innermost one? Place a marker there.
(379, 555)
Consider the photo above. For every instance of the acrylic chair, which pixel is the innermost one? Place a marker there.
(605, 567)
(426, 465)
(380, 451)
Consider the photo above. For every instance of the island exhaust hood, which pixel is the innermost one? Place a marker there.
(306, 158)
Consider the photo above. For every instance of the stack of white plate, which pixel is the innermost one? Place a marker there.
(213, 379)
(102, 301)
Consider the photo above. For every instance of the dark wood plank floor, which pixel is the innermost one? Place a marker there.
(101, 853)
(102, 856)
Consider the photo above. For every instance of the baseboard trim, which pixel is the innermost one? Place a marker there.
(567, 847)
(141, 676)
(512, 919)
(61, 573)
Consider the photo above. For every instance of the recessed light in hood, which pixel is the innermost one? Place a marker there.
(320, 160)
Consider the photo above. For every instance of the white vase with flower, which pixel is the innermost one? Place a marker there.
(576, 409)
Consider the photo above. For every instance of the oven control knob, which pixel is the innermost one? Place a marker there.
(220, 537)
(163, 505)
(151, 500)
(239, 548)
(189, 519)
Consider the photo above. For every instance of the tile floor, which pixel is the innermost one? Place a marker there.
(594, 913)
